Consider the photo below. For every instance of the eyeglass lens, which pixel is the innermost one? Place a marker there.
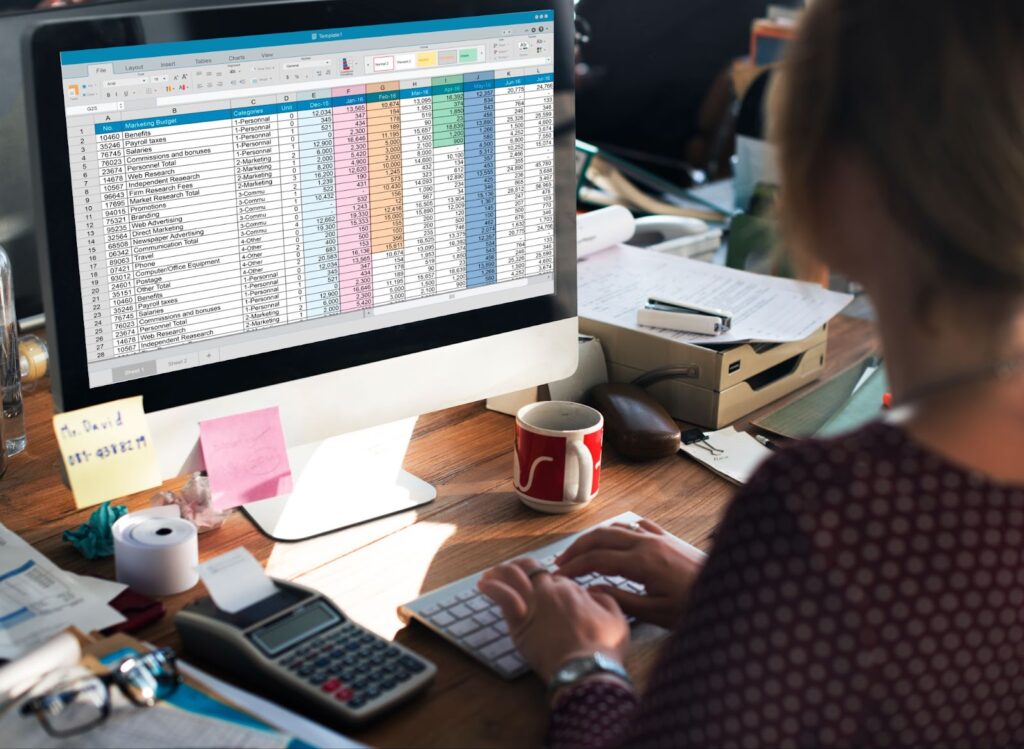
(149, 678)
(74, 707)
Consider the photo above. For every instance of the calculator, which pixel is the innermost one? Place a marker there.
(298, 648)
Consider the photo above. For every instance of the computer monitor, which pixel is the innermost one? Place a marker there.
(354, 211)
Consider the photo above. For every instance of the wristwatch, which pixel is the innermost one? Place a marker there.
(578, 668)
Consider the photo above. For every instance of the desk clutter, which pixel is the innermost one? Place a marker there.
(77, 690)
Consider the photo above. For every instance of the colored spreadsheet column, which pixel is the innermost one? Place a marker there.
(319, 225)
(510, 165)
(418, 188)
(449, 182)
(480, 227)
(352, 182)
(384, 133)
(291, 207)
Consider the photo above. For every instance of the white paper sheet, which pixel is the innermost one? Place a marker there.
(105, 590)
(281, 718)
(235, 580)
(740, 454)
(615, 283)
(38, 599)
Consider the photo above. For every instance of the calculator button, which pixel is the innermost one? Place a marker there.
(412, 664)
(372, 692)
(344, 694)
(322, 662)
(357, 702)
(351, 645)
(318, 678)
(330, 685)
(387, 684)
(392, 653)
(401, 675)
(305, 671)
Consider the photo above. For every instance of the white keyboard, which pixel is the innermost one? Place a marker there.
(470, 620)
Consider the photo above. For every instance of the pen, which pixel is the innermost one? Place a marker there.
(766, 442)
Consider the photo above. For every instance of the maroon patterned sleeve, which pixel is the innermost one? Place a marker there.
(592, 714)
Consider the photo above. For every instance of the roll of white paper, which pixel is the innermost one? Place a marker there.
(604, 228)
(62, 651)
(156, 551)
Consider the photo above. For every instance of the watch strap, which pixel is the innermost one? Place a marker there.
(576, 669)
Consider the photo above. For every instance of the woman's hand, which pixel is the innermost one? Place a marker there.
(645, 555)
(552, 619)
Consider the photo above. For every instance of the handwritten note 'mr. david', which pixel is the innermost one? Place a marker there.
(107, 450)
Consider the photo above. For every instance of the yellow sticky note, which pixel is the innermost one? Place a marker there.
(107, 451)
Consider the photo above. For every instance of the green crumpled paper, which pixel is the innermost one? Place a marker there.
(93, 539)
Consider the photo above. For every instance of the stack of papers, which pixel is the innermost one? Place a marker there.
(38, 599)
(615, 283)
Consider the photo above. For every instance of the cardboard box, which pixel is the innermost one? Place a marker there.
(723, 384)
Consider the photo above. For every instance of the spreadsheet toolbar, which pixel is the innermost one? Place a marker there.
(275, 209)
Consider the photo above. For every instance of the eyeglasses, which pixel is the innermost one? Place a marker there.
(80, 704)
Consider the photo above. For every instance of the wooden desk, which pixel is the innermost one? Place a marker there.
(370, 570)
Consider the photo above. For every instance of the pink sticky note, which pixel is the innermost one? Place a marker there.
(246, 458)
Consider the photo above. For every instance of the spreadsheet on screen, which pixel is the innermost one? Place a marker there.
(242, 195)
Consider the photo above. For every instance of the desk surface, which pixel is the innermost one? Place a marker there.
(370, 570)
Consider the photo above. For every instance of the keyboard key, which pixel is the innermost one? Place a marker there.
(461, 611)
(484, 618)
(482, 637)
(510, 663)
(479, 603)
(502, 626)
(463, 628)
(465, 595)
(430, 610)
(617, 580)
(497, 649)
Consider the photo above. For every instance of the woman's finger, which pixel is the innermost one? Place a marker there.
(610, 537)
(650, 527)
(512, 605)
(513, 576)
(605, 562)
(640, 606)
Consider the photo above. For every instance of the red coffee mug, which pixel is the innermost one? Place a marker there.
(557, 455)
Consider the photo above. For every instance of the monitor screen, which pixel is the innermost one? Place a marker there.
(237, 196)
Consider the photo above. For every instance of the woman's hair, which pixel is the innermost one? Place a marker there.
(931, 94)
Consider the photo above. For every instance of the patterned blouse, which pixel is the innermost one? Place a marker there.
(861, 591)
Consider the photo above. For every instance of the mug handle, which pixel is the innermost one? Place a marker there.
(586, 471)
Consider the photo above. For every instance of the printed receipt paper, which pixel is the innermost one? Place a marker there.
(107, 451)
(246, 458)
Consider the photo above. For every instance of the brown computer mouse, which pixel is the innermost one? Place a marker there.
(635, 425)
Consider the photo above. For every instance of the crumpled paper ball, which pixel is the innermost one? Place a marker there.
(93, 539)
(195, 503)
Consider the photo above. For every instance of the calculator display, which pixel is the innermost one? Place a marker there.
(302, 623)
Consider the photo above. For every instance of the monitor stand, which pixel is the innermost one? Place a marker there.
(343, 481)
